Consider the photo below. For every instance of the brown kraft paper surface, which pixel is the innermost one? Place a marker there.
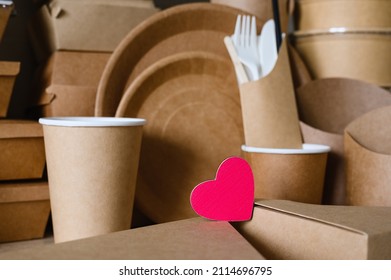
(269, 110)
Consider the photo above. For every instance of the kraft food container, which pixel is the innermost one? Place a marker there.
(357, 54)
(262, 9)
(24, 210)
(290, 230)
(92, 167)
(326, 107)
(22, 150)
(368, 159)
(289, 174)
(68, 83)
(325, 14)
(8, 72)
(65, 25)
(6, 8)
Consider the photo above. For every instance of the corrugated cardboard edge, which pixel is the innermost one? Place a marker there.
(23, 191)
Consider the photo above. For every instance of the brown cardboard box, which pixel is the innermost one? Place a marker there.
(86, 25)
(8, 72)
(282, 229)
(24, 210)
(5, 12)
(190, 239)
(68, 83)
(22, 149)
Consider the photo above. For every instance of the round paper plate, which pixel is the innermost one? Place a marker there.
(192, 107)
(188, 27)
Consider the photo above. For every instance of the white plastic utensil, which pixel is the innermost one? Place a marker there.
(245, 40)
(241, 74)
(268, 47)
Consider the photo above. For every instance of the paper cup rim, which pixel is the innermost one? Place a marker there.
(91, 121)
(307, 149)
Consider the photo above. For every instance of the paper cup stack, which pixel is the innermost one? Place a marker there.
(345, 38)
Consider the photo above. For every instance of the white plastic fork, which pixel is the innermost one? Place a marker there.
(245, 40)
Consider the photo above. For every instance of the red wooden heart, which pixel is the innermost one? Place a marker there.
(230, 196)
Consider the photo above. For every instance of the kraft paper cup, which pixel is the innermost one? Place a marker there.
(92, 167)
(288, 174)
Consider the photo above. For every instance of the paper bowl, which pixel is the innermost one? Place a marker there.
(289, 174)
(324, 14)
(357, 54)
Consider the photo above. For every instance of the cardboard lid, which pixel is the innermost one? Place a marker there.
(26, 191)
(9, 68)
(330, 104)
(191, 239)
(191, 103)
(361, 219)
(20, 129)
(373, 130)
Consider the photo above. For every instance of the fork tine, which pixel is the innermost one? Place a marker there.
(236, 35)
(253, 31)
(248, 33)
(243, 32)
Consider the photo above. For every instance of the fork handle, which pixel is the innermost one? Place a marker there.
(239, 69)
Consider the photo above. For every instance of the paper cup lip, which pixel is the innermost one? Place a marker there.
(91, 121)
(307, 149)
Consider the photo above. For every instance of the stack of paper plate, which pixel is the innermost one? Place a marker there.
(174, 71)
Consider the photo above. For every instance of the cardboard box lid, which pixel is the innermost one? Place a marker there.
(195, 238)
(104, 22)
(291, 230)
(9, 68)
(24, 191)
(367, 221)
(19, 129)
